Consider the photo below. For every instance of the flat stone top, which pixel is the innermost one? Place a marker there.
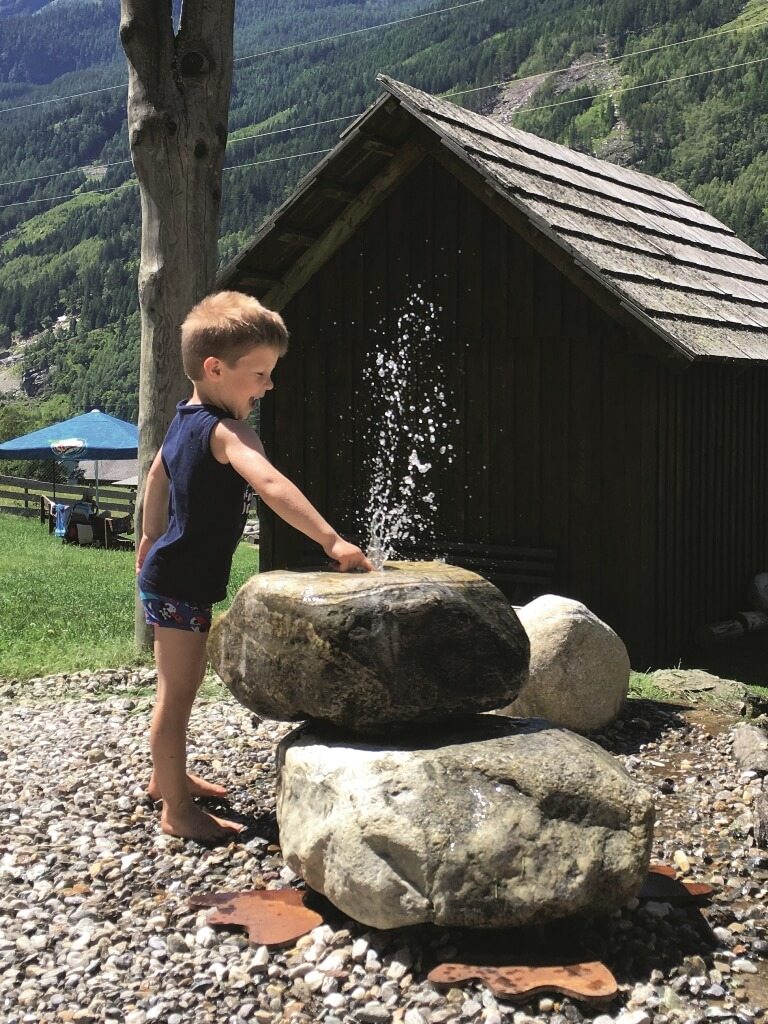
(329, 586)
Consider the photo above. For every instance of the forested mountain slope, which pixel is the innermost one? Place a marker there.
(77, 256)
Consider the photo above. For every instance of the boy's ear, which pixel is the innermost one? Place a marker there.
(212, 366)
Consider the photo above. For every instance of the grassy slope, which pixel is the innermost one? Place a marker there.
(64, 607)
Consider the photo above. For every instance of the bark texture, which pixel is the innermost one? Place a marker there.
(178, 104)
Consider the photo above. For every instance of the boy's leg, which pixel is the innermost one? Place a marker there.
(180, 657)
(197, 787)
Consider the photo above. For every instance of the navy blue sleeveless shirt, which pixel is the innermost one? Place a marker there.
(207, 509)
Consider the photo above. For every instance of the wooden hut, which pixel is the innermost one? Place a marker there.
(605, 339)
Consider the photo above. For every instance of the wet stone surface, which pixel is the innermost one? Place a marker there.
(95, 923)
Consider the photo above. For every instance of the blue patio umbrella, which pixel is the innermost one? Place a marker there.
(93, 435)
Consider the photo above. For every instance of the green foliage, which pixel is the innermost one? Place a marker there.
(18, 417)
(64, 607)
(79, 257)
(96, 369)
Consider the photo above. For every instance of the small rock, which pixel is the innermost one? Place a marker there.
(741, 966)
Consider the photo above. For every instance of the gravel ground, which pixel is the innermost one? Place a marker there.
(95, 924)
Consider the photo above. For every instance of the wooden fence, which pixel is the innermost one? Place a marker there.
(26, 494)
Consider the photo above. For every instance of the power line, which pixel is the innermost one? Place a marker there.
(70, 195)
(459, 92)
(356, 31)
(231, 142)
(643, 85)
(58, 174)
(133, 182)
(293, 128)
(599, 63)
(55, 99)
(252, 56)
(274, 159)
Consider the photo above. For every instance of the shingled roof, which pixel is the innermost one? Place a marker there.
(664, 260)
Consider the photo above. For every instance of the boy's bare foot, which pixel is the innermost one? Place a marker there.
(197, 787)
(193, 823)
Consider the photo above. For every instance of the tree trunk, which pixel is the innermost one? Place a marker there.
(178, 106)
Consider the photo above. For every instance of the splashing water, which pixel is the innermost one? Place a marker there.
(412, 407)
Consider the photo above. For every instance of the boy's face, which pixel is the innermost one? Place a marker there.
(241, 384)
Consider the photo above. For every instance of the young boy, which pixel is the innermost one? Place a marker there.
(209, 460)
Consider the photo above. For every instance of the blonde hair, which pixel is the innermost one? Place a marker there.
(226, 325)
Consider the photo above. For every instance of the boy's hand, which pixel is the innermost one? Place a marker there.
(347, 556)
(142, 551)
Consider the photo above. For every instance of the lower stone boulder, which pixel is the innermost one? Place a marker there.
(418, 642)
(492, 823)
(579, 668)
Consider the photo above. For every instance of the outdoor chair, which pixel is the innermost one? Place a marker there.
(48, 512)
(114, 532)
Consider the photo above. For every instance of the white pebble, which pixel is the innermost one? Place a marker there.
(206, 937)
(742, 966)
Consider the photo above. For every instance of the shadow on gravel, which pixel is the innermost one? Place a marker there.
(641, 721)
(631, 944)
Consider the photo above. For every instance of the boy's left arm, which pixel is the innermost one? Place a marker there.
(155, 512)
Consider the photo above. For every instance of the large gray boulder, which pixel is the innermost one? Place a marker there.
(492, 823)
(417, 642)
(579, 669)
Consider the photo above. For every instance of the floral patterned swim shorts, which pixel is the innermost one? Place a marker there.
(175, 614)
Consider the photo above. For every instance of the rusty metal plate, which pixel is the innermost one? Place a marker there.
(662, 886)
(590, 981)
(272, 917)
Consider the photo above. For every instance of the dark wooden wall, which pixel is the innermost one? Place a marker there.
(650, 483)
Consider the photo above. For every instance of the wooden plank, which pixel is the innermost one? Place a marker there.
(344, 226)
(679, 510)
(584, 553)
(283, 430)
(472, 329)
(256, 283)
(378, 146)
(339, 385)
(525, 449)
(18, 495)
(679, 302)
(661, 555)
(295, 237)
(377, 322)
(643, 414)
(14, 510)
(717, 341)
(616, 466)
(349, 403)
(318, 379)
(333, 190)
(33, 500)
(45, 487)
(428, 254)
(555, 356)
(398, 268)
(501, 378)
(448, 271)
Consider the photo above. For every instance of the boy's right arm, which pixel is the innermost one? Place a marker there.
(155, 513)
(237, 443)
